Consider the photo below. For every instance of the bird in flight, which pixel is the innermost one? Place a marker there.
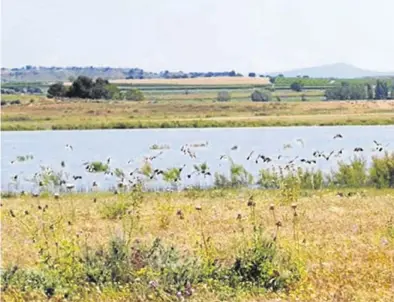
(338, 136)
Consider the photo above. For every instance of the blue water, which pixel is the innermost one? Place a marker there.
(122, 146)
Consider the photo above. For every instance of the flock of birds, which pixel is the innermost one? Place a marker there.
(139, 174)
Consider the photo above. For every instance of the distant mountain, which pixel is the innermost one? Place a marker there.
(338, 70)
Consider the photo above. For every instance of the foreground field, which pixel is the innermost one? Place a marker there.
(342, 248)
(42, 114)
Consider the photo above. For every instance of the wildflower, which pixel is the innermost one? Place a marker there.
(153, 284)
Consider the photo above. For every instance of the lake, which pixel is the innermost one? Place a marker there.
(127, 149)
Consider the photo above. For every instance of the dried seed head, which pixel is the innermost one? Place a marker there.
(179, 213)
(56, 195)
(39, 207)
(26, 212)
(251, 203)
(69, 223)
(294, 206)
(278, 224)
(198, 208)
(239, 216)
(12, 213)
(272, 207)
(95, 199)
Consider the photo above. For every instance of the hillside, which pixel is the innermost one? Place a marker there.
(338, 70)
(64, 74)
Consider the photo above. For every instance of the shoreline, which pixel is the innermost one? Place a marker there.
(323, 120)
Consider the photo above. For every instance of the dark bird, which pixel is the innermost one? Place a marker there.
(317, 154)
(358, 149)
(77, 177)
(379, 146)
(250, 154)
(222, 157)
(132, 172)
(339, 153)
(327, 157)
(312, 161)
(69, 147)
(338, 136)
(292, 161)
(234, 147)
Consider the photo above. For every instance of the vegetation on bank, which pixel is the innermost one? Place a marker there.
(22, 124)
(221, 244)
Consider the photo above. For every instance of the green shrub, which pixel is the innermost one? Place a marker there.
(381, 173)
(134, 95)
(261, 96)
(353, 174)
(262, 266)
(223, 96)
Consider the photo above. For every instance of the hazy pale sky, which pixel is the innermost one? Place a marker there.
(198, 35)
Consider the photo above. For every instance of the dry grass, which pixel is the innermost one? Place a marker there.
(48, 114)
(344, 244)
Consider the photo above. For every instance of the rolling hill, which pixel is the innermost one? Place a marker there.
(337, 70)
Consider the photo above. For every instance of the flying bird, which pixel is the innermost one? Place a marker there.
(338, 136)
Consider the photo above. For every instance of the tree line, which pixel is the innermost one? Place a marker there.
(86, 88)
(347, 91)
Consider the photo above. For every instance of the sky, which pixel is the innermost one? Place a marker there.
(198, 35)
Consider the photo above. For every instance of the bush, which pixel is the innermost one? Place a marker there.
(261, 96)
(353, 174)
(260, 266)
(381, 172)
(56, 90)
(134, 95)
(15, 102)
(296, 86)
(223, 96)
(3, 103)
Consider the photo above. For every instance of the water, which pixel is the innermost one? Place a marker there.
(122, 146)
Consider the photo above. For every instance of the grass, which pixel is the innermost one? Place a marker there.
(342, 246)
(43, 114)
(304, 237)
